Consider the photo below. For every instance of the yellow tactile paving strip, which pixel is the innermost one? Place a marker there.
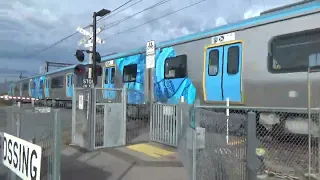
(236, 141)
(153, 151)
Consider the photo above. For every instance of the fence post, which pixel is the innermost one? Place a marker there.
(151, 133)
(18, 120)
(57, 145)
(253, 163)
(124, 115)
(227, 115)
(74, 111)
(91, 120)
(193, 125)
(18, 129)
(179, 120)
(318, 143)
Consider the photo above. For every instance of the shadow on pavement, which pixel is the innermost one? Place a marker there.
(72, 169)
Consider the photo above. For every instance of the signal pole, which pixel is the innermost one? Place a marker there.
(94, 48)
(101, 13)
(90, 74)
(94, 56)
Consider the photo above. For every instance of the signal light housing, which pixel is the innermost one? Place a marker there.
(80, 70)
(80, 55)
(98, 70)
(98, 57)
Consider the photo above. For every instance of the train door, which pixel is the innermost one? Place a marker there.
(223, 73)
(69, 82)
(41, 88)
(30, 88)
(46, 88)
(109, 79)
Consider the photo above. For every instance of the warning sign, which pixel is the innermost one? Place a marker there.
(21, 157)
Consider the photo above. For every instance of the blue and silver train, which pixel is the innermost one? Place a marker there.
(257, 62)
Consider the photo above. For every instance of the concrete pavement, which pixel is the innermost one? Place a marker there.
(119, 164)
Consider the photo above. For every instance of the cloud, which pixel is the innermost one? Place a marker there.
(220, 21)
(30, 26)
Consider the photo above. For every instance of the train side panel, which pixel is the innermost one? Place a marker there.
(287, 89)
(58, 86)
(256, 86)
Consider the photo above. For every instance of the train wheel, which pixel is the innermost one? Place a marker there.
(278, 131)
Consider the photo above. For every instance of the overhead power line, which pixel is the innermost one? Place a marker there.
(69, 36)
(111, 15)
(113, 24)
(178, 10)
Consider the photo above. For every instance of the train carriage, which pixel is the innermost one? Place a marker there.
(260, 61)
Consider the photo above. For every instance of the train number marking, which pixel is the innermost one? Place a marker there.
(223, 38)
(87, 83)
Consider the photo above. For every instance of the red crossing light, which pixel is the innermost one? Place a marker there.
(98, 70)
(80, 70)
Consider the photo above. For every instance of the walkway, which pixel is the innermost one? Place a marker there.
(136, 162)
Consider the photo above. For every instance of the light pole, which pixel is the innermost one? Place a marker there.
(100, 13)
(314, 66)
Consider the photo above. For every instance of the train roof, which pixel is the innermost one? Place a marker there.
(276, 14)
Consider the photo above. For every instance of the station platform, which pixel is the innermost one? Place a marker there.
(143, 161)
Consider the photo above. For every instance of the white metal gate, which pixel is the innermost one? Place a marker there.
(81, 117)
(165, 124)
(109, 117)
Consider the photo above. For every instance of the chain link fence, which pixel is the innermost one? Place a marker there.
(225, 143)
(41, 126)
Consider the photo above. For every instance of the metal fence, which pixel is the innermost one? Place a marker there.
(166, 123)
(81, 112)
(108, 117)
(226, 143)
(41, 126)
(117, 117)
(137, 112)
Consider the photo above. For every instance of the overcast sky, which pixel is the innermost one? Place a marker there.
(28, 26)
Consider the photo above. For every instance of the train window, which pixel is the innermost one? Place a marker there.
(130, 73)
(31, 84)
(213, 67)
(175, 67)
(106, 75)
(41, 84)
(71, 79)
(25, 87)
(290, 52)
(233, 60)
(113, 73)
(57, 82)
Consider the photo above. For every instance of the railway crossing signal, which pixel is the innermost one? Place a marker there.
(94, 57)
(80, 69)
(80, 55)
